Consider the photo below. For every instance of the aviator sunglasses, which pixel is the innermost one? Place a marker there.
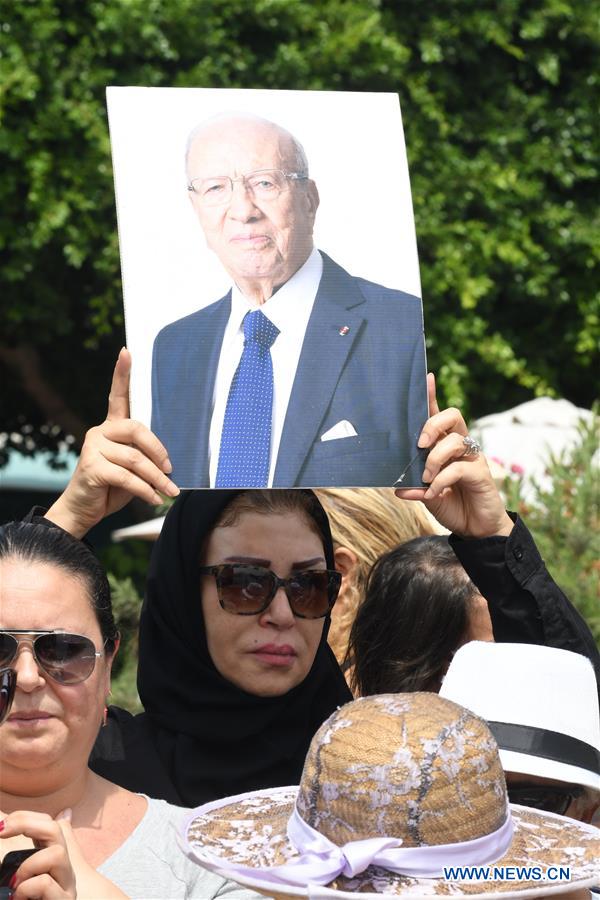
(64, 657)
(550, 798)
(248, 590)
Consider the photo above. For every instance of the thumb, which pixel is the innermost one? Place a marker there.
(64, 820)
(118, 399)
(431, 395)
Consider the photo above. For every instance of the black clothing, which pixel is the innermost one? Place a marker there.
(526, 606)
(200, 737)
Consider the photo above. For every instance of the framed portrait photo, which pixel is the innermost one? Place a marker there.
(271, 284)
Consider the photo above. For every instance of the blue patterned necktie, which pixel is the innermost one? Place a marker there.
(246, 435)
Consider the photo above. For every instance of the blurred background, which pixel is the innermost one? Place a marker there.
(499, 101)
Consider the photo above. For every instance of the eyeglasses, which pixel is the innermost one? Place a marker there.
(66, 658)
(266, 184)
(551, 798)
(247, 590)
(8, 683)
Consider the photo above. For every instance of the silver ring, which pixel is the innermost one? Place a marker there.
(472, 447)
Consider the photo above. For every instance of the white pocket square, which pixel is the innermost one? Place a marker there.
(341, 429)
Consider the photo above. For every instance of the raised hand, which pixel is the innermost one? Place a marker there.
(120, 459)
(461, 494)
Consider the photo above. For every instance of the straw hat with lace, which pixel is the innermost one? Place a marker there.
(394, 789)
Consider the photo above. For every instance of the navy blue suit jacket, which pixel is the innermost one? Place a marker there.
(362, 360)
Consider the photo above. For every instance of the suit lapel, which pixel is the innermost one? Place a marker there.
(333, 327)
(206, 359)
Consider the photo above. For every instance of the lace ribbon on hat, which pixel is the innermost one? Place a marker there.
(321, 860)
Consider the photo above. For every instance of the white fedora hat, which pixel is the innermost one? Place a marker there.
(541, 704)
(395, 789)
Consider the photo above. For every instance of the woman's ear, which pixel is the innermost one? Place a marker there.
(346, 561)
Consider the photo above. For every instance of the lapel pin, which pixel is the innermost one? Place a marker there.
(344, 330)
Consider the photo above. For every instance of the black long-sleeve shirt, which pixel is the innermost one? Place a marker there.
(526, 605)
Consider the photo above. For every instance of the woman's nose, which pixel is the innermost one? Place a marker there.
(279, 612)
(27, 669)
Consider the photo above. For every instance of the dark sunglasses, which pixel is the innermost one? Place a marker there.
(550, 798)
(8, 683)
(247, 590)
(66, 658)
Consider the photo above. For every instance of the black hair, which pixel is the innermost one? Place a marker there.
(38, 543)
(413, 618)
(272, 502)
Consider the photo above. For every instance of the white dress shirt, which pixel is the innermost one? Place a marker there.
(289, 310)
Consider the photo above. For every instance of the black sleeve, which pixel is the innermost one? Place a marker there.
(37, 516)
(526, 605)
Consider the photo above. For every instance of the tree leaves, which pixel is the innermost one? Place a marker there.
(498, 106)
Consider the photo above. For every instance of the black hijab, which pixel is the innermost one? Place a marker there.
(213, 739)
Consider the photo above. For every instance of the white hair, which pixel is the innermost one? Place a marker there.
(300, 159)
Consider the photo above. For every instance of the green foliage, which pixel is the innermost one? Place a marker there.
(129, 560)
(126, 607)
(564, 519)
(498, 106)
(123, 691)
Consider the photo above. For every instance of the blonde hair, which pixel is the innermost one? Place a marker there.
(369, 521)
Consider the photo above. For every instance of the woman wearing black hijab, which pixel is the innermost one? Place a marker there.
(201, 737)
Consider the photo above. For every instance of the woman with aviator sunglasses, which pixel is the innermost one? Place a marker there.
(235, 673)
(234, 689)
(58, 637)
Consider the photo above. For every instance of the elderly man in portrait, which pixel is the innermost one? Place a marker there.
(302, 374)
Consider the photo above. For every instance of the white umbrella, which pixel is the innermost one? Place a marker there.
(522, 439)
(146, 531)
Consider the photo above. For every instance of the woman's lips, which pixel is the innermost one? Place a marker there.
(276, 654)
(29, 719)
